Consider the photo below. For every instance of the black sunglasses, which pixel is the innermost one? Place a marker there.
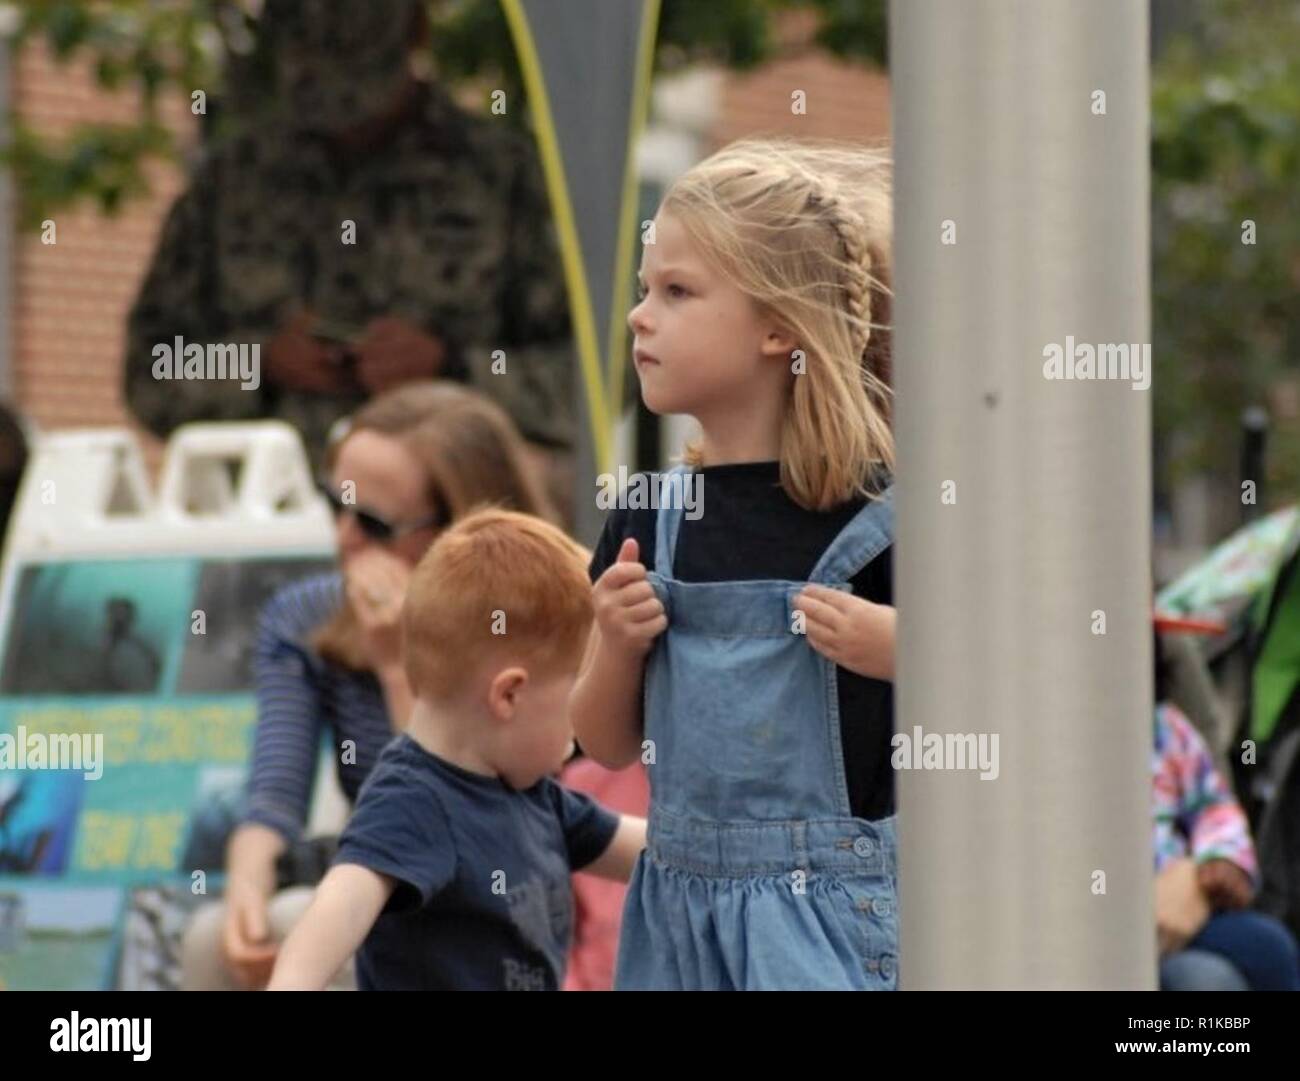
(371, 524)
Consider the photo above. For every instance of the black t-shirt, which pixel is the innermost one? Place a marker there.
(753, 530)
(483, 899)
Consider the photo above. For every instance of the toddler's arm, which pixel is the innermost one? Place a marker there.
(345, 907)
(619, 858)
(605, 707)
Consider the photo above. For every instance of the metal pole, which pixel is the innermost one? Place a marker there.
(1254, 437)
(1021, 221)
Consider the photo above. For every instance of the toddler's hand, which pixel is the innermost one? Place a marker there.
(852, 632)
(627, 611)
(1225, 884)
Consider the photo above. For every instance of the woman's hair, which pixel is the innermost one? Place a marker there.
(472, 456)
(804, 229)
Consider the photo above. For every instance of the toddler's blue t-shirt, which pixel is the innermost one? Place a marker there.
(483, 900)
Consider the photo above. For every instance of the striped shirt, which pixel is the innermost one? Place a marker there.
(299, 696)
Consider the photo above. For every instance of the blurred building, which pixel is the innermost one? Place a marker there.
(60, 360)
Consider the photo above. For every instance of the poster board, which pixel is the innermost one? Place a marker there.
(127, 626)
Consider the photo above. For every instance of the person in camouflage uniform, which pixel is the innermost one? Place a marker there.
(365, 232)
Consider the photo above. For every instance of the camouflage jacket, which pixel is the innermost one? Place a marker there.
(452, 232)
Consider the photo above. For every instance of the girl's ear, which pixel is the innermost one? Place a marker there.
(778, 341)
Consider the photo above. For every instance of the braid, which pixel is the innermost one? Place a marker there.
(848, 228)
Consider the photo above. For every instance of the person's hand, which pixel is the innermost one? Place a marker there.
(296, 360)
(854, 633)
(246, 943)
(375, 581)
(1181, 906)
(393, 351)
(1225, 884)
(627, 611)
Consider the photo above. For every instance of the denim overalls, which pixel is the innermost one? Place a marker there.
(755, 874)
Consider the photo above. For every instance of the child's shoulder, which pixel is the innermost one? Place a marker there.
(405, 771)
(405, 795)
(562, 798)
(587, 825)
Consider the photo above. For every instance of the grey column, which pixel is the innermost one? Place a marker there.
(995, 132)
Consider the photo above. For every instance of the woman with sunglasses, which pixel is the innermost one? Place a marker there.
(329, 648)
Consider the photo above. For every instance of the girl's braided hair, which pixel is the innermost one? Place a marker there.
(805, 230)
(867, 288)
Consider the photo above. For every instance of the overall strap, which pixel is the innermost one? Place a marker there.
(669, 518)
(868, 533)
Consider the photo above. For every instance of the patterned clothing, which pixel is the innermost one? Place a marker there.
(1195, 813)
(445, 226)
(300, 696)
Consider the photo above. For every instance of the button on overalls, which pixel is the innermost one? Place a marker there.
(755, 875)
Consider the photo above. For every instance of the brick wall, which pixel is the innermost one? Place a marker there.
(71, 297)
(842, 100)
